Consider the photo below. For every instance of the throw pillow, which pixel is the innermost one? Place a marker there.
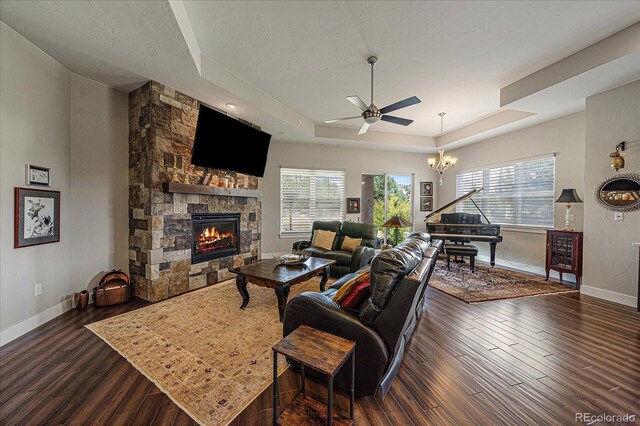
(323, 239)
(358, 294)
(350, 285)
(350, 244)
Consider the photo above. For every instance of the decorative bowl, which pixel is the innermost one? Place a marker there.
(295, 258)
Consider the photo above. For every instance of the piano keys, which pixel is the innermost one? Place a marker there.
(464, 227)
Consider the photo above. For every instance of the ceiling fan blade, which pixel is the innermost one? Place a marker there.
(396, 120)
(342, 119)
(401, 104)
(358, 102)
(364, 128)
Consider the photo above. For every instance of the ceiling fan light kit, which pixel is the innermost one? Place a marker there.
(372, 114)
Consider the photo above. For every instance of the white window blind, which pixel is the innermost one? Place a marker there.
(308, 195)
(520, 193)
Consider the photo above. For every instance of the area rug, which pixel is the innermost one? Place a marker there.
(490, 283)
(208, 355)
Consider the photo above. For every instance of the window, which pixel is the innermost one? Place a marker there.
(520, 193)
(385, 195)
(308, 195)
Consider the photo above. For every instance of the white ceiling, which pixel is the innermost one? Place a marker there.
(455, 56)
(289, 65)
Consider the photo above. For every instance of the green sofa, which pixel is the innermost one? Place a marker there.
(346, 261)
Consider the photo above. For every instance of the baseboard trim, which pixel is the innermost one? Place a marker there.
(611, 296)
(522, 267)
(270, 255)
(34, 322)
(599, 293)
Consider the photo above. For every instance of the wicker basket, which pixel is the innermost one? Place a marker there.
(114, 288)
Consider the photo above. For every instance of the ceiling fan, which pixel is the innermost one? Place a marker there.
(372, 114)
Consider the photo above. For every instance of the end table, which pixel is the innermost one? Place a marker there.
(324, 353)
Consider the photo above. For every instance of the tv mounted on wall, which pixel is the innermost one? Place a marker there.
(222, 142)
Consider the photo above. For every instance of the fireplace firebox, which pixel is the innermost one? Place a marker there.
(214, 236)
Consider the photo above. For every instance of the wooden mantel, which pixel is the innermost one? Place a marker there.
(184, 188)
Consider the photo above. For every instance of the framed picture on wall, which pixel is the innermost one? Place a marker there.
(37, 176)
(37, 217)
(353, 205)
(426, 204)
(426, 189)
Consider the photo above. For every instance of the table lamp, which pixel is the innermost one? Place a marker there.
(396, 222)
(568, 196)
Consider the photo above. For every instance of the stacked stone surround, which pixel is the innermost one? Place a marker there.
(162, 124)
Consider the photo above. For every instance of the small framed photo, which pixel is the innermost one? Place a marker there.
(353, 205)
(37, 217)
(37, 176)
(426, 189)
(426, 204)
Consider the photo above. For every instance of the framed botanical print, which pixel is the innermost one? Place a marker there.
(37, 176)
(426, 189)
(353, 205)
(426, 204)
(37, 217)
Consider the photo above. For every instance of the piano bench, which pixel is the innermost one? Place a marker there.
(461, 250)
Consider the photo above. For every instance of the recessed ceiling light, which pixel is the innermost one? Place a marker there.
(232, 106)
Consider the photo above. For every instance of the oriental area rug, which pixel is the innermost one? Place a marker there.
(208, 355)
(490, 283)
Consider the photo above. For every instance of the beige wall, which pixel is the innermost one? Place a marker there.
(34, 128)
(353, 161)
(99, 181)
(611, 264)
(525, 248)
(38, 100)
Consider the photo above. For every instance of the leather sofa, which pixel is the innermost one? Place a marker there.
(384, 323)
(346, 261)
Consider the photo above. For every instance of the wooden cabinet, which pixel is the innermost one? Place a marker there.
(564, 253)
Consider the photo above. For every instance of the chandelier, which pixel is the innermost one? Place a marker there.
(445, 161)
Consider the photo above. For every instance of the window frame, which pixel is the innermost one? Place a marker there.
(297, 234)
(485, 177)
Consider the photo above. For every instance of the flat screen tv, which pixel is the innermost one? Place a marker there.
(222, 142)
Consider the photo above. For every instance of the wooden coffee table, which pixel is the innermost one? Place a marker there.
(269, 273)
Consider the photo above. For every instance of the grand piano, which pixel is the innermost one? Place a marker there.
(464, 227)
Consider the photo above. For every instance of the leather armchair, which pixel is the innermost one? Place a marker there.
(324, 225)
(384, 323)
(346, 261)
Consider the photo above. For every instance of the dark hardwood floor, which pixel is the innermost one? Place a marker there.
(536, 360)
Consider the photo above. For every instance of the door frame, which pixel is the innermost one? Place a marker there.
(386, 209)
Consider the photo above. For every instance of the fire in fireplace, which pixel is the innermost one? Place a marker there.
(212, 239)
(215, 236)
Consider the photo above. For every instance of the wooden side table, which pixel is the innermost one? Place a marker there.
(324, 353)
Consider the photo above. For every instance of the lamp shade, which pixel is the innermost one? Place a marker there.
(396, 222)
(569, 196)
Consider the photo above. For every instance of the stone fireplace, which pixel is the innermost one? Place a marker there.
(168, 202)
